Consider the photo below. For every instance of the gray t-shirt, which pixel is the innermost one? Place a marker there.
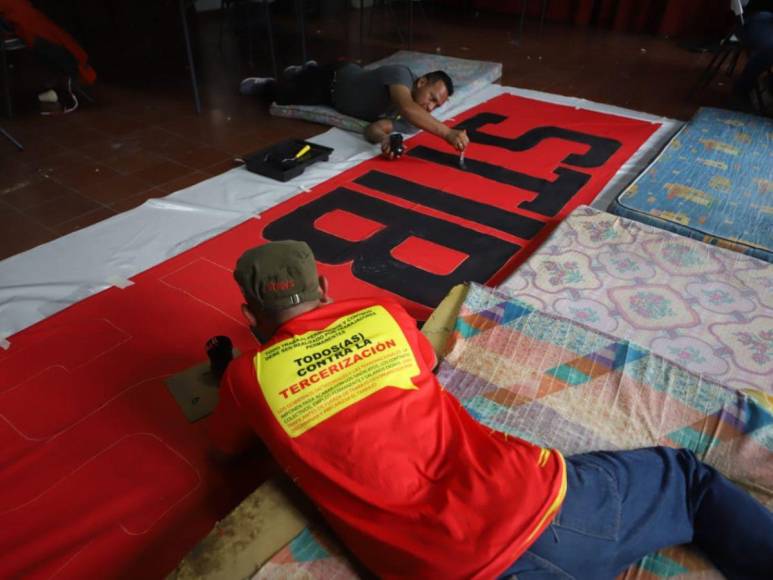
(364, 93)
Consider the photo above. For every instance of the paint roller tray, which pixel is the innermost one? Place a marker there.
(279, 161)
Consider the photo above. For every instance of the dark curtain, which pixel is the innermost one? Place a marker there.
(677, 18)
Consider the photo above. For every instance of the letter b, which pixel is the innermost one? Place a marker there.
(372, 257)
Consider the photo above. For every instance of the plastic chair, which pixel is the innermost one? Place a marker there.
(9, 42)
(730, 50)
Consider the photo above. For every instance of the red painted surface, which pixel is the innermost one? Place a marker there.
(100, 473)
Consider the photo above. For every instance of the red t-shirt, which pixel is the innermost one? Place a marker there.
(345, 399)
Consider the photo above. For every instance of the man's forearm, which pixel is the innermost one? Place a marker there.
(420, 118)
(378, 131)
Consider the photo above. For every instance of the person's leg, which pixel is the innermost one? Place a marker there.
(730, 526)
(261, 87)
(621, 506)
(291, 71)
(310, 86)
(265, 87)
(757, 35)
(610, 518)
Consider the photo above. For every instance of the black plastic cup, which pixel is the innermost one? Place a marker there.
(396, 144)
(220, 352)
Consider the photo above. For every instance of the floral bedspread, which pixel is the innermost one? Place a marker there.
(703, 307)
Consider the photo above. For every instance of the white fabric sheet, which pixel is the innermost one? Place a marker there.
(47, 279)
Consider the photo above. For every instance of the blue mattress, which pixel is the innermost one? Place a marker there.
(713, 182)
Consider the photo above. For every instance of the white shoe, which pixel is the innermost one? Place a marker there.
(255, 86)
(53, 102)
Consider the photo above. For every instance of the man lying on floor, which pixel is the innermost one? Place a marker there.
(344, 397)
(380, 96)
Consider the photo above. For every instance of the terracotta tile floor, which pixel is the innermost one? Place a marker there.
(134, 143)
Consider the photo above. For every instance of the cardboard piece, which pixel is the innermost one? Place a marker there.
(248, 537)
(442, 321)
(196, 390)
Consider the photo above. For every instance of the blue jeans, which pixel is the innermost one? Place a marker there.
(757, 35)
(621, 506)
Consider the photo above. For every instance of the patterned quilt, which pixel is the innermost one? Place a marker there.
(714, 183)
(562, 384)
(708, 309)
(469, 76)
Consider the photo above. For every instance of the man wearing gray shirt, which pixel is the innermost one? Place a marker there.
(382, 96)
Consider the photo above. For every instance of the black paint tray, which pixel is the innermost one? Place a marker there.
(279, 161)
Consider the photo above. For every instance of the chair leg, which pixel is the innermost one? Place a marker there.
(189, 54)
(523, 18)
(76, 87)
(222, 22)
(362, 25)
(10, 137)
(250, 34)
(722, 60)
(759, 92)
(6, 82)
(395, 20)
(270, 34)
(733, 61)
(370, 16)
(713, 67)
(542, 15)
(426, 18)
(301, 29)
(410, 24)
(424, 13)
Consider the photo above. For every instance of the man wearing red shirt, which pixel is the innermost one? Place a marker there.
(344, 397)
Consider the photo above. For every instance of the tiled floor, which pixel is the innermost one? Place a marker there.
(138, 143)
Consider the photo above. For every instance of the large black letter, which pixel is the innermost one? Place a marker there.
(551, 195)
(489, 215)
(373, 261)
(601, 148)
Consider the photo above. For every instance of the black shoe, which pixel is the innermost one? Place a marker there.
(294, 70)
(257, 86)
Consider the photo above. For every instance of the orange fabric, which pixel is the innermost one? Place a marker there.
(30, 23)
(411, 483)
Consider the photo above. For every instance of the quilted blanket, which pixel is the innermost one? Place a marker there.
(706, 308)
(562, 384)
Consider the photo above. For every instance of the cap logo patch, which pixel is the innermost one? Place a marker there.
(279, 285)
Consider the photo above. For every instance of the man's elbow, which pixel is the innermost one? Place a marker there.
(376, 131)
(370, 134)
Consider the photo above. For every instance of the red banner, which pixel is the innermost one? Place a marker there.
(101, 473)
(416, 227)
